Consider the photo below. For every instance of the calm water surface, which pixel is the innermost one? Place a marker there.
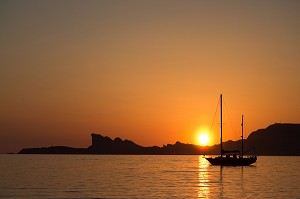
(113, 176)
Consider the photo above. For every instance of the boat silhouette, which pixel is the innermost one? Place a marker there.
(231, 158)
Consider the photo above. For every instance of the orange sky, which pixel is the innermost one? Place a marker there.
(149, 71)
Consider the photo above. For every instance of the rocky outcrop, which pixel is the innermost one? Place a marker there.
(277, 139)
(105, 145)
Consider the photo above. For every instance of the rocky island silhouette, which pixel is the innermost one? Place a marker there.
(276, 139)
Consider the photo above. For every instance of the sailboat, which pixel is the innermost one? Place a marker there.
(231, 158)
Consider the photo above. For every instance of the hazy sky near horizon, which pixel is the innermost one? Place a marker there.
(148, 71)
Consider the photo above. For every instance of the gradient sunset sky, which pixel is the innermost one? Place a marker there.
(148, 71)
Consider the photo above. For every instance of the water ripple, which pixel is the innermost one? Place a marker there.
(109, 177)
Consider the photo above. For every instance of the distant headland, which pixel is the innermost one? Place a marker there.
(276, 139)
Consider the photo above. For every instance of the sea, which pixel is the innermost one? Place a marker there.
(145, 176)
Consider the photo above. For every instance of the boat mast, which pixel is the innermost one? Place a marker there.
(242, 135)
(221, 124)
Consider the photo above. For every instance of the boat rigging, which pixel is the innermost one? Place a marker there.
(231, 158)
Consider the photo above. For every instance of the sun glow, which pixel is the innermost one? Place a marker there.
(203, 139)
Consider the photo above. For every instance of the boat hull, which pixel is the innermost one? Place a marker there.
(223, 161)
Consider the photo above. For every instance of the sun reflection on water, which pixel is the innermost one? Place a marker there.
(203, 186)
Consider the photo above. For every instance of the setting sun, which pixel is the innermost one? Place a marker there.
(203, 139)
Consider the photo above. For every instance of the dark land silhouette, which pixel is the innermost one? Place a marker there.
(276, 139)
